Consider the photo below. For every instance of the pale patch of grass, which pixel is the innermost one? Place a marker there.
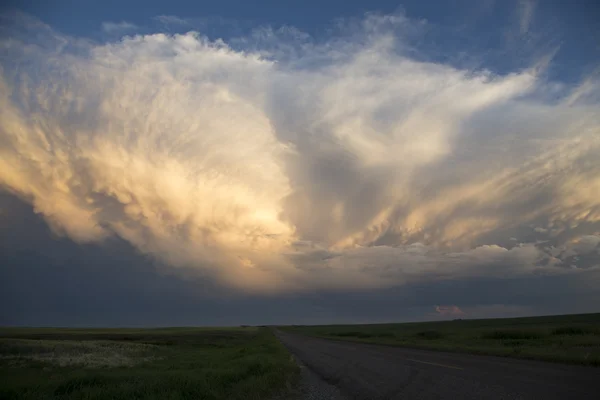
(87, 354)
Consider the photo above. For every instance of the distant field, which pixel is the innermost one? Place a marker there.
(564, 338)
(161, 364)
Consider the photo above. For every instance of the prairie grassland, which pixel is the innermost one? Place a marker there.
(85, 354)
(563, 338)
(175, 363)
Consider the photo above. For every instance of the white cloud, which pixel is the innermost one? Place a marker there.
(348, 164)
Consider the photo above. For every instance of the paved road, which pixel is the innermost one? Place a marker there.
(365, 371)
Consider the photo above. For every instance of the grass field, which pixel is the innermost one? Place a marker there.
(174, 363)
(564, 338)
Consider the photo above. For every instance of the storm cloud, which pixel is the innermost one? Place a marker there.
(278, 164)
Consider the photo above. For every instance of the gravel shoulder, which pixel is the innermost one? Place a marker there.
(311, 385)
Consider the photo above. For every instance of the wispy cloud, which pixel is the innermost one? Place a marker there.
(526, 10)
(118, 27)
(171, 20)
(347, 163)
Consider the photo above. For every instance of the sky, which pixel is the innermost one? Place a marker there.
(222, 163)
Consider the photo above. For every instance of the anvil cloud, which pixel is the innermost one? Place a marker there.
(352, 162)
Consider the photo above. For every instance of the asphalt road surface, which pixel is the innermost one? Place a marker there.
(365, 371)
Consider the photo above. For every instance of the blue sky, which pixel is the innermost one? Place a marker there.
(81, 17)
(277, 162)
(509, 33)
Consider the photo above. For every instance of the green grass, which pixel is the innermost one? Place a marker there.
(565, 338)
(174, 363)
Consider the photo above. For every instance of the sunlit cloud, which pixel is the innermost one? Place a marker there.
(351, 163)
